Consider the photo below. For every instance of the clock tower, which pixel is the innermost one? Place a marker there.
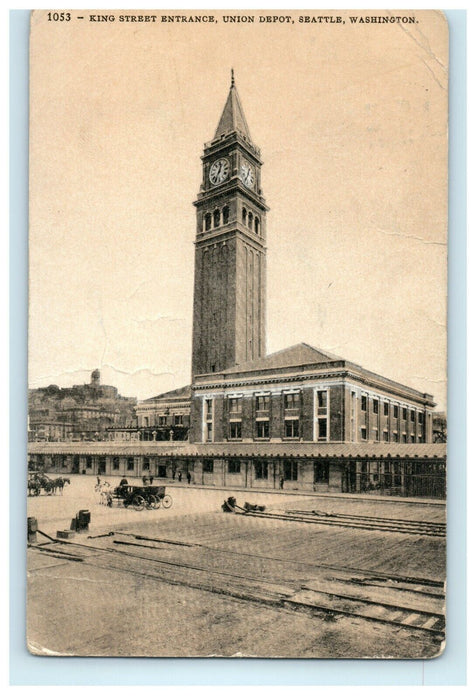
(230, 248)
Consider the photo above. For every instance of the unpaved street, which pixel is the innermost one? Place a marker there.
(194, 581)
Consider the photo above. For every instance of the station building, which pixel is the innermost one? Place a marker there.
(300, 418)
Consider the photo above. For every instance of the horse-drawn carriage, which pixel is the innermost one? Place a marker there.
(139, 497)
(39, 481)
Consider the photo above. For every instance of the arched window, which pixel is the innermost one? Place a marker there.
(226, 214)
(208, 222)
(243, 215)
(216, 217)
(256, 225)
(250, 220)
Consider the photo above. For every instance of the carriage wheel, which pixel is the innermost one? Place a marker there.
(167, 501)
(138, 503)
(154, 502)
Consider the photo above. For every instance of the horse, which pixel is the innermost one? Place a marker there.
(34, 486)
(38, 482)
(59, 484)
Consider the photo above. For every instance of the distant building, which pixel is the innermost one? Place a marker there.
(82, 412)
(439, 426)
(165, 417)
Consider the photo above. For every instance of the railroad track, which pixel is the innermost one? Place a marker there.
(396, 601)
(358, 522)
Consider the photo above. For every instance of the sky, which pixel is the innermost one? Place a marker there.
(351, 120)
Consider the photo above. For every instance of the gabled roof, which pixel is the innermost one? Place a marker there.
(183, 392)
(233, 117)
(295, 356)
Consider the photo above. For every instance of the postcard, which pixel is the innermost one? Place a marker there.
(237, 334)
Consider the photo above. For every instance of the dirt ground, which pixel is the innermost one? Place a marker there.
(89, 609)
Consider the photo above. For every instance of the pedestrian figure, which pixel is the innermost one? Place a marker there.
(281, 483)
(99, 480)
(189, 477)
(145, 479)
(151, 479)
(174, 471)
(180, 476)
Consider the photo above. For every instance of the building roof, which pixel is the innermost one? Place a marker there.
(247, 450)
(295, 356)
(233, 117)
(184, 392)
(291, 363)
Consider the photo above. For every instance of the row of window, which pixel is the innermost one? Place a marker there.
(220, 217)
(249, 220)
(291, 429)
(262, 402)
(386, 409)
(386, 436)
(161, 421)
(262, 469)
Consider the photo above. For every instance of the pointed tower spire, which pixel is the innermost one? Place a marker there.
(233, 117)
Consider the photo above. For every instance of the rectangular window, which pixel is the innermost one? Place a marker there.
(404, 413)
(178, 420)
(261, 470)
(363, 433)
(234, 405)
(375, 434)
(162, 420)
(208, 406)
(395, 436)
(233, 466)
(291, 400)
(235, 430)
(375, 405)
(395, 411)
(420, 418)
(412, 416)
(262, 429)
(322, 399)
(404, 437)
(209, 432)
(291, 428)
(322, 428)
(385, 435)
(412, 438)
(290, 470)
(208, 466)
(89, 462)
(262, 403)
(146, 464)
(130, 464)
(115, 464)
(385, 409)
(363, 403)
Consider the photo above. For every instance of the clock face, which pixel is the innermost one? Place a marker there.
(247, 174)
(219, 171)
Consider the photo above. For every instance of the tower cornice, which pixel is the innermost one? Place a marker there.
(232, 186)
(212, 148)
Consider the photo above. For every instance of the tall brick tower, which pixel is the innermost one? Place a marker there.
(230, 252)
